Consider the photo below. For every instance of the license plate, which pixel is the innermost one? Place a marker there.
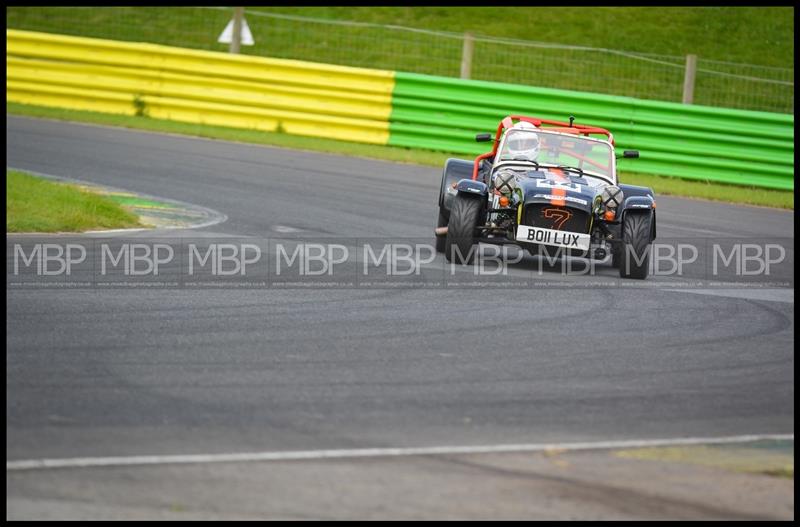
(568, 240)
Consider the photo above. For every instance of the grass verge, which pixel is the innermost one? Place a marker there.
(662, 185)
(737, 458)
(37, 205)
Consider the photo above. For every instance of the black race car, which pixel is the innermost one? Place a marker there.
(547, 186)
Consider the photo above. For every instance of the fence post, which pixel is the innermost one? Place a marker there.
(236, 38)
(688, 79)
(466, 55)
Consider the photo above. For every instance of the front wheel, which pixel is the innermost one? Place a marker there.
(616, 255)
(464, 217)
(635, 250)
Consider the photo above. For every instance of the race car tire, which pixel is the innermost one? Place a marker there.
(616, 255)
(440, 240)
(635, 253)
(464, 216)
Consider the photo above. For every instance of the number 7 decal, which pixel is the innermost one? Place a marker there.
(559, 216)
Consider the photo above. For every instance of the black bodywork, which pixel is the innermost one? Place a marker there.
(581, 203)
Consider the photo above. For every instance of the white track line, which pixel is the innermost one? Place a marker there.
(34, 464)
(114, 231)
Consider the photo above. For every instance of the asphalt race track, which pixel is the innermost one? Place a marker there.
(179, 371)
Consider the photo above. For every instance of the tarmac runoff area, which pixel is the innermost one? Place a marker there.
(747, 480)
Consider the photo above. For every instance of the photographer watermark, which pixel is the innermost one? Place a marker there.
(250, 262)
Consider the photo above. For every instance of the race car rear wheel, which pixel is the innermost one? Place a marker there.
(464, 217)
(440, 240)
(635, 253)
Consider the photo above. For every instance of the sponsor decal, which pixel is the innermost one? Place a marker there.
(569, 240)
(555, 184)
(571, 199)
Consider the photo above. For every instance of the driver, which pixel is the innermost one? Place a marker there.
(523, 143)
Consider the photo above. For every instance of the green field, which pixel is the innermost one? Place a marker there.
(763, 37)
(37, 205)
(717, 33)
(661, 185)
(752, 35)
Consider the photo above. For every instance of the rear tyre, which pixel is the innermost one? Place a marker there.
(440, 240)
(635, 250)
(464, 217)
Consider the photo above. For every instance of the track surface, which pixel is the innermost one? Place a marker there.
(125, 372)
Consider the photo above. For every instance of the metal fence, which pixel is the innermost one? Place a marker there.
(615, 72)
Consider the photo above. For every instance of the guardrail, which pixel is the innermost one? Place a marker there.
(692, 142)
(384, 107)
(196, 86)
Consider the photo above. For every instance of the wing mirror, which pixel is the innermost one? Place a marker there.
(630, 154)
(483, 138)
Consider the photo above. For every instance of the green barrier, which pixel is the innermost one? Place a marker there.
(686, 141)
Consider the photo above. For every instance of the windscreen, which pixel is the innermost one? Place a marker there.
(555, 149)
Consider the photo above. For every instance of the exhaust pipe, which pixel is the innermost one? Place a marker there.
(441, 231)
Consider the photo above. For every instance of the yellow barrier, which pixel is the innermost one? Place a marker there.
(303, 98)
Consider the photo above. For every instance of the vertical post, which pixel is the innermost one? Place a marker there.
(236, 38)
(466, 55)
(688, 79)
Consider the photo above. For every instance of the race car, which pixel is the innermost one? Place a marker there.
(549, 187)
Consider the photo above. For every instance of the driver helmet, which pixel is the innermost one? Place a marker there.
(524, 143)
